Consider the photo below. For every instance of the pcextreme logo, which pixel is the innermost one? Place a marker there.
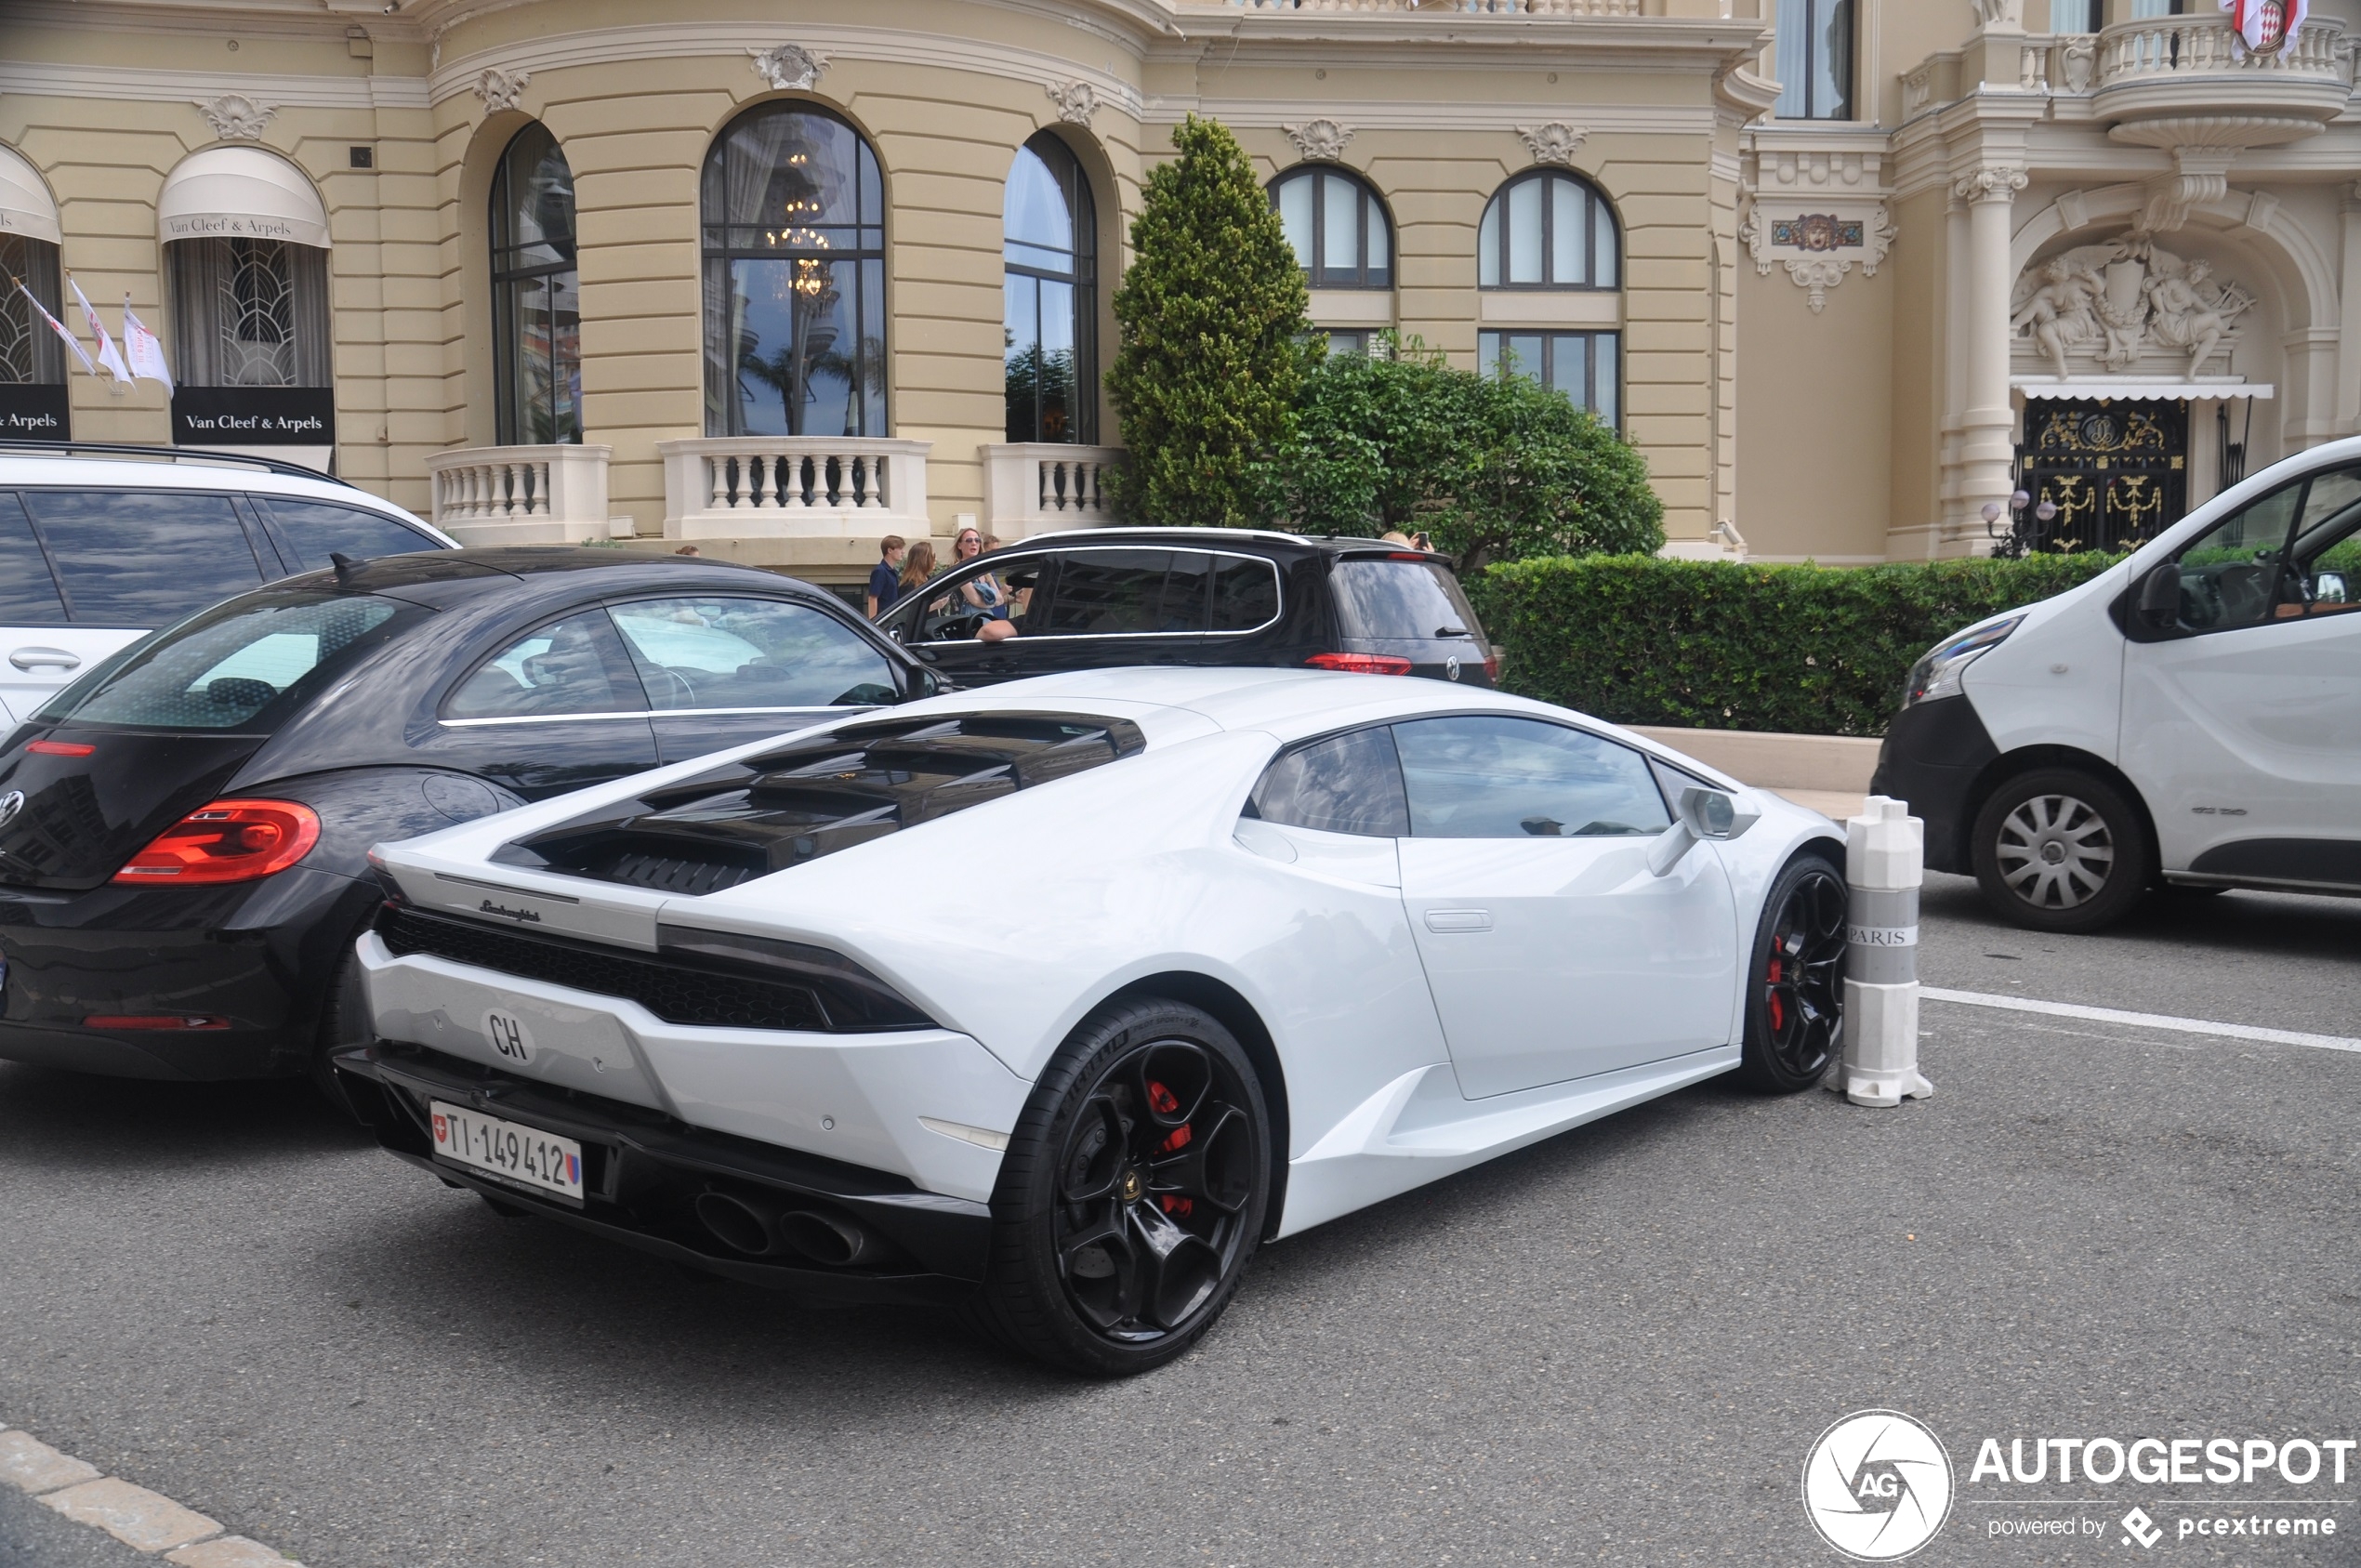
(1877, 1485)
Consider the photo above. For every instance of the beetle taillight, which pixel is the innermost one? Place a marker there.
(227, 841)
(1361, 664)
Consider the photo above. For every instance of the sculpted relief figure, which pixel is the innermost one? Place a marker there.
(2058, 313)
(2187, 312)
(2115, 301)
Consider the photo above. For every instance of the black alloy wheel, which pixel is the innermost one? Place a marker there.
(2059, 849)
(1795, 987)
(1133, 1192)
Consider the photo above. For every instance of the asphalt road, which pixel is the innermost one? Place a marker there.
(1617, 1346)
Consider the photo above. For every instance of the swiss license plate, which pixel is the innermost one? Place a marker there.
(524, 1156)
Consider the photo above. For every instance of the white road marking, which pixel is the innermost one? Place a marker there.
(2144, 1021)
(131, 1514)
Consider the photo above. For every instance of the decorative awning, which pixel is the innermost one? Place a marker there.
(2137, 386)
(25, 207)
(240, 193)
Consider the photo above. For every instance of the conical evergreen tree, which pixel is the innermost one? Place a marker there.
(1212, 316)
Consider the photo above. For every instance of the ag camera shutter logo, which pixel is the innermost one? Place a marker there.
(1878, 1485)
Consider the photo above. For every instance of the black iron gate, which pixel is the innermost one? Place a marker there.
(2117, 470)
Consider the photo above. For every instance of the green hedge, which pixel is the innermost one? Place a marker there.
(1718, 645)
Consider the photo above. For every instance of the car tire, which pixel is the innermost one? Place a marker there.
(1795, 980)
(344, 1021)
(1132, 1194)
(2060, 849)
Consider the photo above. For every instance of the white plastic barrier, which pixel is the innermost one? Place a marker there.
(1884, 865)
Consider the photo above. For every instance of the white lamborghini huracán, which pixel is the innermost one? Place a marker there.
(1061, 999)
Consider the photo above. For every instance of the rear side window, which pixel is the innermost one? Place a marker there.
(565, 669)
(1106, 593)
(28, 597)
(1402, 600)
(1246, 593)
(1346, 783)
(144, 558)
(226, 667)
(723, 652)
(312, 530)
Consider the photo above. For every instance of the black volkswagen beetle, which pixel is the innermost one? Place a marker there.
(184, 831)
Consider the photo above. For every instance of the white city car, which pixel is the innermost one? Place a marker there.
(1061, 999)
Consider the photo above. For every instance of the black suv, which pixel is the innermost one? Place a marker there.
(1096, 597)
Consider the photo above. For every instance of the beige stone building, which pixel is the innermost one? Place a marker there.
(781, 277)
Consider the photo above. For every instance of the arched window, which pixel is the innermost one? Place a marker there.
(794, 219)
(246, 249)
(1050, 312)
(33, 362)
(536, 312)
(1338, 227)
(1546, 231)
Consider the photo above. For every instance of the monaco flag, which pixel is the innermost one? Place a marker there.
(2267, 25)
(140, 346)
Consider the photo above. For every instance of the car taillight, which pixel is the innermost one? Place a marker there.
(1361, 664)
(227, 841)
(61, 748)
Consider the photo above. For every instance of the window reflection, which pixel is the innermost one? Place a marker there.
(794, 222)
(536, 292)
(1050, 306)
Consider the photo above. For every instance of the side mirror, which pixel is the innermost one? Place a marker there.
(2159, 603)
(2328, 587)
(1704, 814)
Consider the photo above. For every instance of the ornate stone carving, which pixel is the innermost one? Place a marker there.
(235, 117)
(2008, 14)
(1816, 247)
(1076, 101)
(788, 66)
(2200, 175)
(1323, 140)
(1553, 143)
(2116, 302)
(500, 89)
(2078, 61)
(1994, 182)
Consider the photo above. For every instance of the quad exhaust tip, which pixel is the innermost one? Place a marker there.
(764, 1229)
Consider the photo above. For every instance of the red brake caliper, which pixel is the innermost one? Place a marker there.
(1778, 1008)
(1165, 1102)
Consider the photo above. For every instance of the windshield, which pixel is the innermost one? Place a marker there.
(222, 669)
(1403, 599)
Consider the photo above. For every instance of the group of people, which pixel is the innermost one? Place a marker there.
(902, 569)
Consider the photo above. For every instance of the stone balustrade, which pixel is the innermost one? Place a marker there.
(521, 494)
(1461, 7)
(1041, 487)
(2194, 78)
(782, 487)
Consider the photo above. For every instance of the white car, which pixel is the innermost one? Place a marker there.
(2190, 718)
(1063, 997)
(101, 545)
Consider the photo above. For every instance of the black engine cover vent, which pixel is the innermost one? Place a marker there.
(813, 797)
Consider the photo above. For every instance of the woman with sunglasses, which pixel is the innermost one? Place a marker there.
(982, 592)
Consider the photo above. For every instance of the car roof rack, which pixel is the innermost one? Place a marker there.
(18, 448)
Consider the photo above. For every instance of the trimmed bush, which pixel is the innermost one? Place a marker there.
(1719, 645)
(1211, 310)
(1495, 468)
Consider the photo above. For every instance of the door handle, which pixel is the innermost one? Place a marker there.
(1459, 920)
(35, 658)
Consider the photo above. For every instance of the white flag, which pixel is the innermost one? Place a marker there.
(106, 355)
(59, 328)
(140, 346)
